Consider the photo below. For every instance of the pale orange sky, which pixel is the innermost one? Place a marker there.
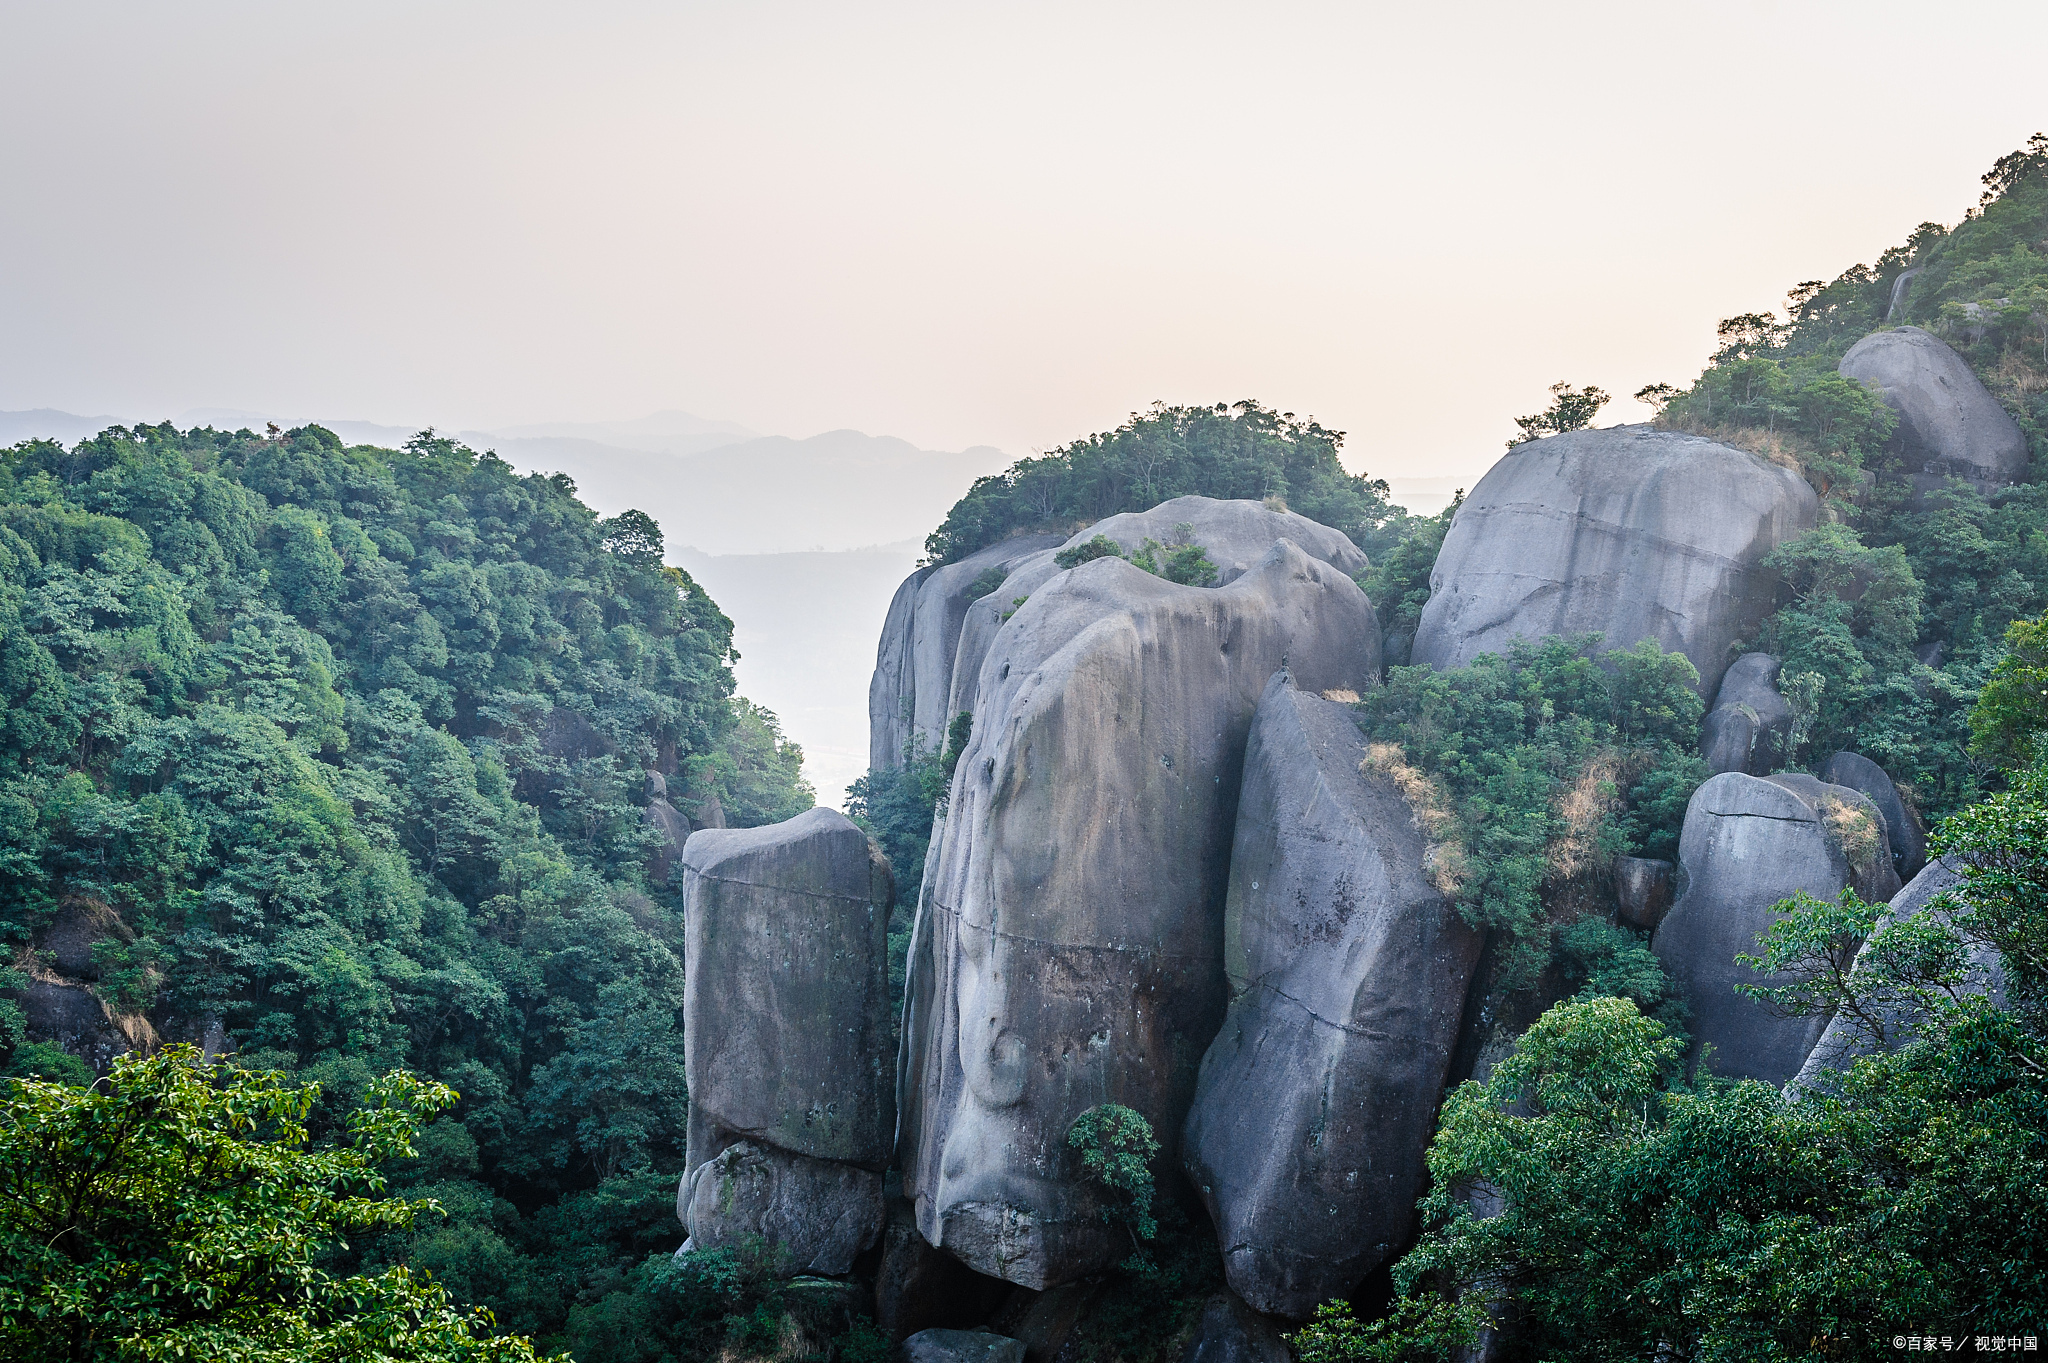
(957, 223)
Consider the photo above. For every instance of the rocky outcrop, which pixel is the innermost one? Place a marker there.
(786, 1031)
(668, 823)
(921, 1288)
(1902, 826)
(1231, 1332)
(1750, 727)
(1643, 887)
(1845, 1038)
(1235, 533)
(1348, 969)
(1629, 532)
(1068, 948)
(1949, 424)
(914, 660)
(961, 1346)
(817, 1215)
(1746, 845)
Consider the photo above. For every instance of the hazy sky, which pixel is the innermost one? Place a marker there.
(958, 223)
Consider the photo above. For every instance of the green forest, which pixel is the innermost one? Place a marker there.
(323, 773)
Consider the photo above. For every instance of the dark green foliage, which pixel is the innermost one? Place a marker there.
(1426, 1329)
(1571, 409)
(352, 744)
(1187, 564)
(992, 577)
(2012, 707)
(1511, 737)
(1398, 582)
(1240, 450)
(1096, 546)
(1117, 1149)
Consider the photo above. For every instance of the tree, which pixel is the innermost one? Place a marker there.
(178, 1213)
(1571, 409)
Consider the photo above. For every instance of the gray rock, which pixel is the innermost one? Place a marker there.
(961, 1346)
(1901, 825)
(1750, 727)
(1235, 533)
(1746, 845)
(1948, 423)
(1643, 887)
(1068, 950)
(1630, 532)
(1845, 1038)
(1231, 1332)
(816, 1215)
(914, 660)
(667, 821)
(1348, 970)
(786, 1024)
(921, 1288)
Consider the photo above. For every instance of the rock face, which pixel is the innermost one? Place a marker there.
(1231, 1332)
(921, 1288)
(1902, 827)
(786, 1027)
(1348, 970)
(1631, 532)
(1948, 423)
(1642, 890)
(668, 821)
(1068, 946)
(914, 661)
(1747, 844)
(1750, 727)
(1844, 1040)
(961, 1346)
(818, 1214)
(1234, 533)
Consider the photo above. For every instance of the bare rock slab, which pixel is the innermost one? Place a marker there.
(1750, 727)
(1348, 970)
(961, 1346)
(1629, 532)
(1949, 424)
(816, 1215)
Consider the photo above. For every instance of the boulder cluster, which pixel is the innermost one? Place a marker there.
(1172, 875)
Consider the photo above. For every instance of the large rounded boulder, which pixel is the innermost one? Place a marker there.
(1746, 845)
(1902, 825)
(1068, 950)
(914, 659)
(1750, 727)
(1628, 532)
(1348, 969)
(786, 1045)
(1949, 424)
(1235, 533)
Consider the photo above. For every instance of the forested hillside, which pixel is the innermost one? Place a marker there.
(337, 757)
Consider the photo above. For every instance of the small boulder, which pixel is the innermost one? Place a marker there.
(818, 1215)
(1068, 949)
(1746, 845)
(1750, 727)
(961, 1346)
(1231, 1332)
(786, 995)
(1901, 825)
(1643, 888)
(1949, 424)
(1629, 532)
(1348, 970)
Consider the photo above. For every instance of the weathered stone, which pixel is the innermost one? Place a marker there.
(961, 1346)
(1948, 423)
(1643, 887)
(1901, 825)
(668, 822)
(1235, 533)
(914, 660)
(921, 1288)
(1746, 845)
(1231, 1332)
(1629, 532)
(816, 1215)
(1067, 951)
(786, 995)
(1049, 1323)
(1750, 727)
(1348, 970)
(1845, 1038)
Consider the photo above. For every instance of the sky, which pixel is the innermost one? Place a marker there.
(961, 223)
